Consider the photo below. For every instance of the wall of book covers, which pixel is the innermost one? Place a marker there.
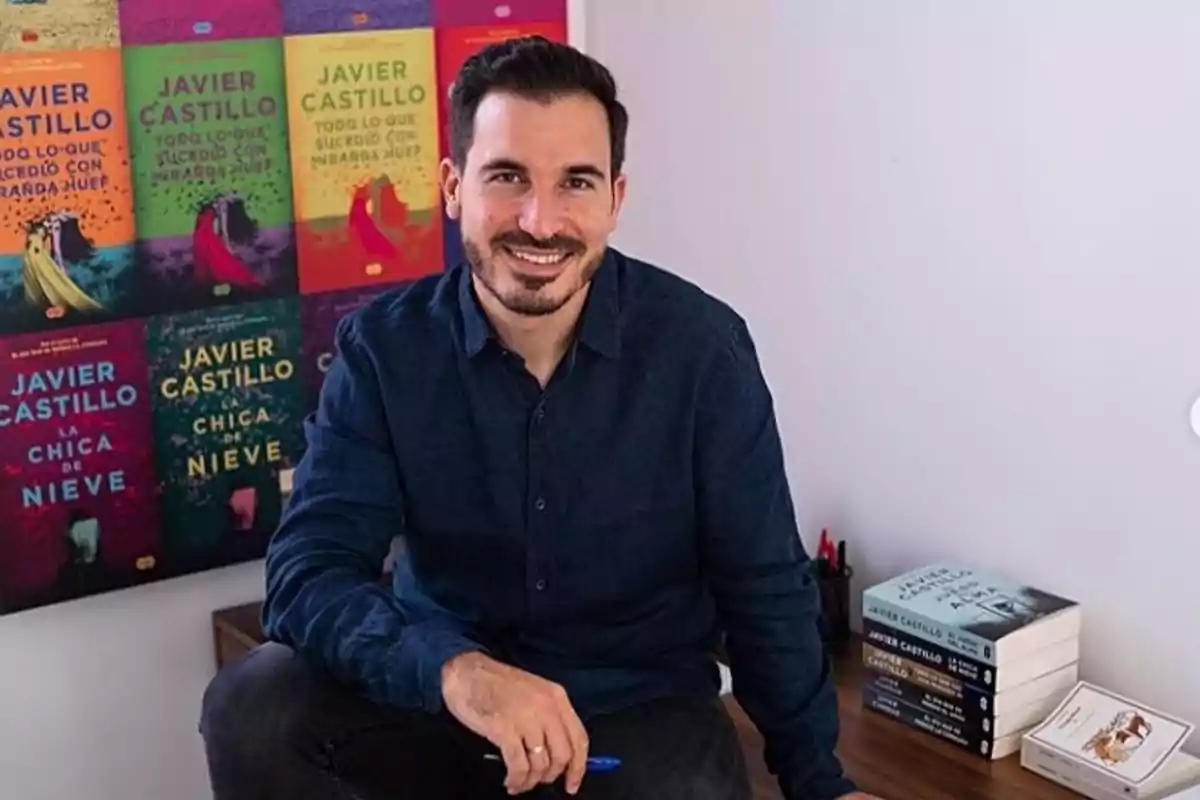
(192, 193)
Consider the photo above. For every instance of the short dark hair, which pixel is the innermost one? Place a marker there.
(534, 67)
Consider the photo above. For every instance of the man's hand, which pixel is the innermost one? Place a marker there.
(859, 796)
(528, 718)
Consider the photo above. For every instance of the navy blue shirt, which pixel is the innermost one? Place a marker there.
(602, 533)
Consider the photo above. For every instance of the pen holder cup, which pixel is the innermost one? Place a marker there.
(835, 604)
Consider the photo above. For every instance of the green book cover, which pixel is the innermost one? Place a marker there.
(229, 405)
(211, 171)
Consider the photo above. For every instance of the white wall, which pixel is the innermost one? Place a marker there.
(967, 238)
(99, 698)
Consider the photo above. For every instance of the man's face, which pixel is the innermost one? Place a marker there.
(535, 199)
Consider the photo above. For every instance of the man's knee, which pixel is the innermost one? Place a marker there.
(256, 703)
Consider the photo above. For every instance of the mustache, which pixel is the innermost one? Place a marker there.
(522, 239)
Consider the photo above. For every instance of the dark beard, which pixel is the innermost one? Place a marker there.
(526, 306)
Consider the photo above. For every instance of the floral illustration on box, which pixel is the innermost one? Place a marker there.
(1117, 741)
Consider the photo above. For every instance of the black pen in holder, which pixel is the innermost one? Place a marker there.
(834, 585)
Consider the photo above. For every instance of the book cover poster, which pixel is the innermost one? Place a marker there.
(66, 207)
(211, 174)
(363, 121)
(228, 409)
(481, 12)
(166, 21)
(319, 316)
(332, 16)
(454, 46)
(47, 25)
(79, 509)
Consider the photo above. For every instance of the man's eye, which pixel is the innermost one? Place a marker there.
(580, 184)
(506, 177)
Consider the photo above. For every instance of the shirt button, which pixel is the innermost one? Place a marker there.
(539, 415)
(540, 504)
(541, 585)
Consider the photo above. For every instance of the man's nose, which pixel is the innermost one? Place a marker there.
(542, 215)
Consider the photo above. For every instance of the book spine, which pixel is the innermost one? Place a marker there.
(952, 638)
(976, 742)
(894, 640)
(973, 711)
(905, 669)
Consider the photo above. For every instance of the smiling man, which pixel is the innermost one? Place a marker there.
(579, 453)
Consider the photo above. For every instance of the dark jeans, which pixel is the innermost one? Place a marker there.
(274, 728)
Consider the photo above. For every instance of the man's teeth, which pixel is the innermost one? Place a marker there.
(539, 258)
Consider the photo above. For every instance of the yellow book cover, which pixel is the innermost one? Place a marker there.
(41, 25)
(362, 115)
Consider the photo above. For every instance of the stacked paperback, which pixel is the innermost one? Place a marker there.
(966, 656)
(1106, 747)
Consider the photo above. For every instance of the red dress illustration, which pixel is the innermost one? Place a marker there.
(215, 260)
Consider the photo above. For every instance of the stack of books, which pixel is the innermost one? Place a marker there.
(967, 656)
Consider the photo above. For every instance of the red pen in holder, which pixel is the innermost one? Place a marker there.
(833, 577)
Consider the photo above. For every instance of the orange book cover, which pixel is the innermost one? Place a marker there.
(66, 204)
(362, 116)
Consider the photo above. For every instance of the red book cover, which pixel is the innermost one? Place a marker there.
(454, 47)
(79, 499)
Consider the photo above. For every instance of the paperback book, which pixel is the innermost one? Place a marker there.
(363, 120)
(1108, 742)
(331, 16)
(228, 411)
(211, 172)
(503, 12)
(167, 21)
(319, 317)
(79, 501)
(48, 25)
(972, 613)
(66, 205)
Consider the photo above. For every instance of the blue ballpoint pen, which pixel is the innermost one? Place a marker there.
(594, 763)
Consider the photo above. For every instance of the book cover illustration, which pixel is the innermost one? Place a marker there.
(1112, 733)
(363, 120)
(47, 25)
(319, 316)
(333, 16)
(959, 597)
(211, 173)
(228, 411)
(454, 46)
(66, 207)
(167, 21)
(79, 509)
(482, 12)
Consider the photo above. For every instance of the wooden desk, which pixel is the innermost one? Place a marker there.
(883, 756)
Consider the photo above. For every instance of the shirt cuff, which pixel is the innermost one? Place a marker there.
(438, 647)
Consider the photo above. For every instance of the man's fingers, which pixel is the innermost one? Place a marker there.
(539, 760)
(512, 748)
(578, 737)
(559, 745)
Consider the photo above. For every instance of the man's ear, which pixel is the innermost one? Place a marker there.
(451, 182)
(618, 192)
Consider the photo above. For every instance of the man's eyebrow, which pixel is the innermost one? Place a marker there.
(503, 164)
(585, 170)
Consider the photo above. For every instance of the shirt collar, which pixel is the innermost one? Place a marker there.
(599, 325)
